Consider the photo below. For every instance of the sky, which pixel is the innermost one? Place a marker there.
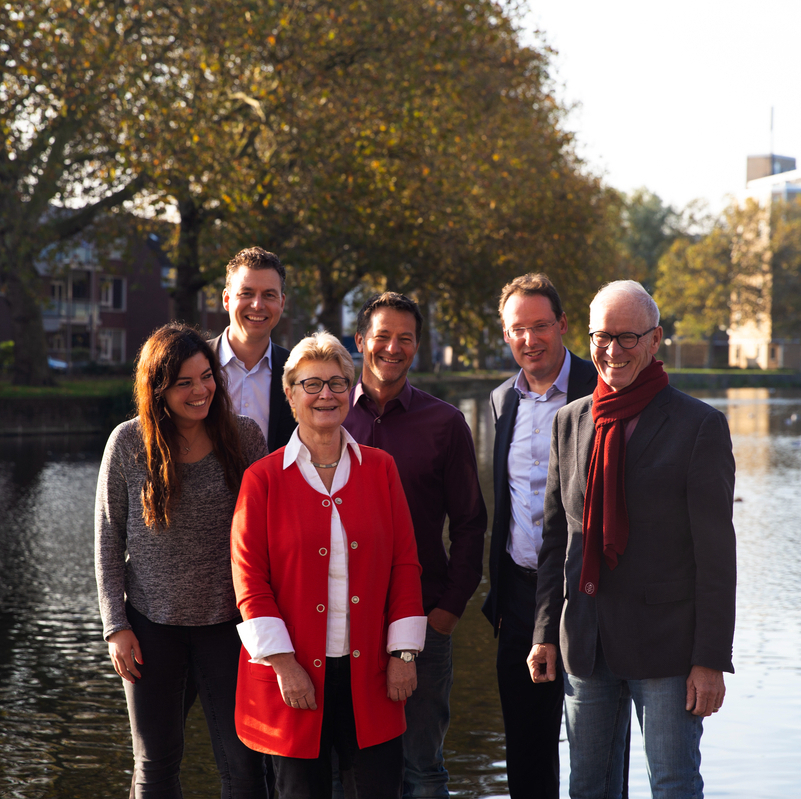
(674, 96)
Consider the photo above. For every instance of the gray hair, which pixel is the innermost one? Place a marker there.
(634, 290)
(321, 346)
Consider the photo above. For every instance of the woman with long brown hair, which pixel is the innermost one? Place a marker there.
(165, 498)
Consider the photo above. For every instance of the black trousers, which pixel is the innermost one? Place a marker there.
(209, 656)
(532, 713)
(375, 772)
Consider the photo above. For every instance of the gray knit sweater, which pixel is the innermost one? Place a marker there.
(181, 575)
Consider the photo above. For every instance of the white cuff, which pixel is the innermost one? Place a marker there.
(264, 636)
(408, 633)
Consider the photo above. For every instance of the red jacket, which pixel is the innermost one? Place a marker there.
(280, 543)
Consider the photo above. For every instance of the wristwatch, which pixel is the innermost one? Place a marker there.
(404, 655)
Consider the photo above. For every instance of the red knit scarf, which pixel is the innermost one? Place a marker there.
(606, 520)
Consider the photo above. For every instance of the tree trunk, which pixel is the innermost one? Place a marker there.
(188, 280)
(425, 355)
(331, 296)
(481, 350)
(30, 345)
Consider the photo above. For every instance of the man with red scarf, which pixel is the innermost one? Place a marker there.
(637, 569)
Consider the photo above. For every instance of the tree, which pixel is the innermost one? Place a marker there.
(448, 165)
(709, 283)
(694, 284)
(71, 69)
(416, 146)
(785, 247)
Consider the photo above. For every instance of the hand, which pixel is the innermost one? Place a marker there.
(401, 679)
(443, 621)
(705, 691)
(541, 662)
(295, 684)
(123, 648)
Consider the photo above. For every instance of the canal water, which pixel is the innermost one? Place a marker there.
(63, 726)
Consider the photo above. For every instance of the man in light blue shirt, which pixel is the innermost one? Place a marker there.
(254, 296)
(523, 408)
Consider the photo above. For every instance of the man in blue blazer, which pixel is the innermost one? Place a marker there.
(254, 296)
(523, 408)
(637, 567)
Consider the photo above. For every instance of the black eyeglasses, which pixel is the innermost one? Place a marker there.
(314, 385)
(602, 339)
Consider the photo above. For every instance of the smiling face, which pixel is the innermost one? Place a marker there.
(254, 303)
(389, 346)
(539, 356)
(323, 412)
(619, 313)
(189, 398)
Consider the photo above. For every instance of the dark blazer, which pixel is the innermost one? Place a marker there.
(504, 401)
(281, 423)
(669, 603)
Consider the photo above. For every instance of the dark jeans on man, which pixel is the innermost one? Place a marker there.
(427, 719)
(375, 772)
(532, 713)
(156, 707)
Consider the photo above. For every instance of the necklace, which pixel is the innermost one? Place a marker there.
(185, 449)
(325, 465)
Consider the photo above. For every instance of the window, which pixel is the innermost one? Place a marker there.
(111, 345)
(112, 293)
(80, 285)
(57, 291)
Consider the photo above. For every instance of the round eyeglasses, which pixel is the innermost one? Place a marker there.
(602, 339)
(314, 385)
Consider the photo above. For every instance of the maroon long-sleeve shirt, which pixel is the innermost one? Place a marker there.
(433, 449)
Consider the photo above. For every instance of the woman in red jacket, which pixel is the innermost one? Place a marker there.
(328, 584)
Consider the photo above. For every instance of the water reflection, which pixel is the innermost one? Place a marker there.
(65, 731)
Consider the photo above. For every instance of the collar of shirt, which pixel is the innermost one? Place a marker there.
(404, 398)
(227, 354)
(297, 451)
(560, 384)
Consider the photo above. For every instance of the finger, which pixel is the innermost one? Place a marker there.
(689, 703)
(131, 666)
(121, 666)
(703, 704)
(550, 665)
(128, 659)
(306, 702)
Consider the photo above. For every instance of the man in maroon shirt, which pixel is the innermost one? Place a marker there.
(433, 448)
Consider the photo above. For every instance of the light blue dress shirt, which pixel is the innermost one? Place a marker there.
(249, 389)
(528, 464)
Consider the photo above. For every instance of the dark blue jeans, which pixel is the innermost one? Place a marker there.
(427, 719)
(156, 707)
